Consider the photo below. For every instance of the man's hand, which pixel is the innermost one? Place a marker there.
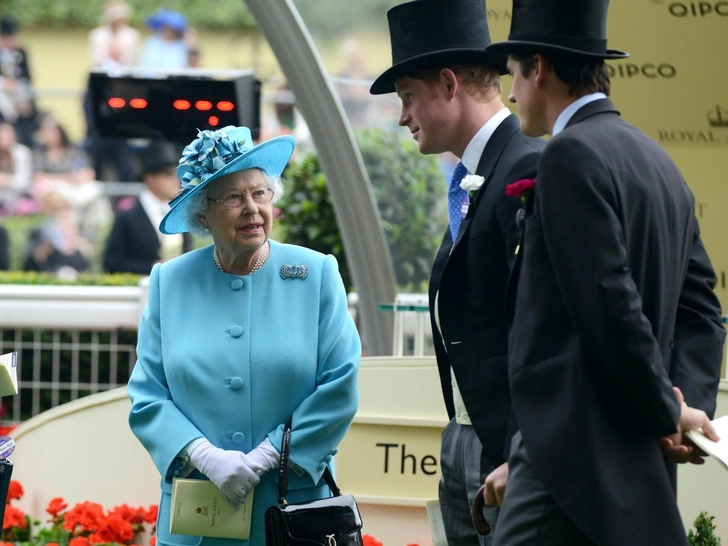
(495, 485)
(677, 447)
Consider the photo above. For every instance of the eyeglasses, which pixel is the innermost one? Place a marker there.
(261, 196)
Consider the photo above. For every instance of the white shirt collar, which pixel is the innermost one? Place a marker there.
(154, 208)
(474, 150)
(570, 110)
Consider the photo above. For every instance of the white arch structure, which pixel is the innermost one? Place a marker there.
(356, 211)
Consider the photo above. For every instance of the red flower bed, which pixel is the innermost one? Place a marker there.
(86, 524)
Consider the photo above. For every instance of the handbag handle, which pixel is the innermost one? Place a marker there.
(283, 470)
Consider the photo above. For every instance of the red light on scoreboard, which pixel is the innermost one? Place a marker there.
(203, 105)
(138, 103)
(181, 104)
(214, 121)
(225, 106)
(116, 102)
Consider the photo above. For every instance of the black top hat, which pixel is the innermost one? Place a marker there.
(428, 33)
(572, 27)
(158, 156)
(8, 26)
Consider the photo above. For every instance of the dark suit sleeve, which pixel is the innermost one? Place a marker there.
(119, 256)
(577, 205)
(524, 167)
(699, 334)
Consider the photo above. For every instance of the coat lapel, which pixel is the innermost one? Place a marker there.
(488, 160)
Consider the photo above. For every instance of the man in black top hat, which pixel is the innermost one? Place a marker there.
(135, 243)
(450, 93)
(614, 304)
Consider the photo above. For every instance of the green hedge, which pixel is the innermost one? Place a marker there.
(83, 279)
(72, 13)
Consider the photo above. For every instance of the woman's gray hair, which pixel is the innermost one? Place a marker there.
(198, 204)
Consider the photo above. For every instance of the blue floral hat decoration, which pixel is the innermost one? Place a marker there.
(216, 153)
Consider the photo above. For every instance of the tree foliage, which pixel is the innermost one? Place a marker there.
(703, 533)
(334, 18)
(306, 214)
(331, 17)
(410, 193)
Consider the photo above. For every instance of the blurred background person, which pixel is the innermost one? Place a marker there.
(57, 246)
(16, 168)
(16, 99)
(135, 243)
(194, 57)
(60, 165)
(112, 45)
(168, 46)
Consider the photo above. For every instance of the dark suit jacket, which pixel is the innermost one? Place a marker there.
(133, 244)
(471, 278)
(615, 299)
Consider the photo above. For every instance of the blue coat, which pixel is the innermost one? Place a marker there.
(232, 358)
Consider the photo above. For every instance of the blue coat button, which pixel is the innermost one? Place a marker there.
(322, 466)
(238, 437)
(236, 383)
(236, 331)
(237, 284)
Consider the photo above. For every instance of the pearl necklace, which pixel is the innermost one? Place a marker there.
(262, 257)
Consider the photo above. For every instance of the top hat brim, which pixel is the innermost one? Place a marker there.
(523, 46)
(270, 156)
(385, 82)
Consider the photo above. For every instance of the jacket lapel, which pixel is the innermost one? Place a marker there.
(488, 160)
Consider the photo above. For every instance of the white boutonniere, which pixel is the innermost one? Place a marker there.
(471, 183)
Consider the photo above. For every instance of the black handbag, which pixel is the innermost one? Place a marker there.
(335, 521)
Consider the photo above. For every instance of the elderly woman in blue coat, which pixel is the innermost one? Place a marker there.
(240, 338)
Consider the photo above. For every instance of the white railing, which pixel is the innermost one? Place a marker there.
(71, 341)
(79, 340)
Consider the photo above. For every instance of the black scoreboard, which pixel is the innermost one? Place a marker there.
(173, 106)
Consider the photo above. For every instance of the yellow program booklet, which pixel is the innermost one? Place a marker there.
(9, 374)
(198, 509)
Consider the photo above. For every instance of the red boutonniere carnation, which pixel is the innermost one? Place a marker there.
(520, 188)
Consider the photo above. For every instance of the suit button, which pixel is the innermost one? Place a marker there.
(238, 437)
(237, 284)
(236, 331)
(236, 383)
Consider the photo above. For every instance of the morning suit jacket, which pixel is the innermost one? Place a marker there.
(233, 358)
(614, 303)
(471, 279)
(133, 244)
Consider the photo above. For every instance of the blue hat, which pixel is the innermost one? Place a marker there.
(216, 153)
(167, 18)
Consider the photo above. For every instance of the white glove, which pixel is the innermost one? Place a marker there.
(229, 470)
(263, 458)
